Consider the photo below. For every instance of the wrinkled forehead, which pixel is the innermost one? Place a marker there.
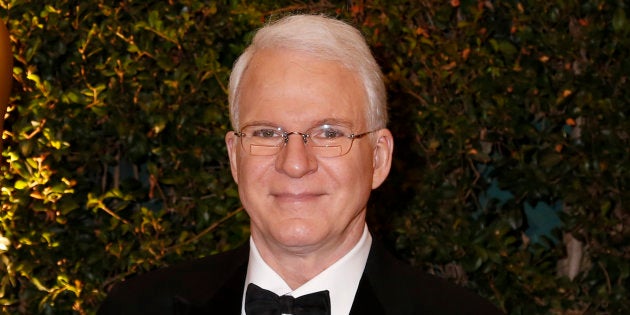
(299, 81)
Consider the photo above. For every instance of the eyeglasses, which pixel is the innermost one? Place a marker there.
(323, 141)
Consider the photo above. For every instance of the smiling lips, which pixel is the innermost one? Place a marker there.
(296, 197)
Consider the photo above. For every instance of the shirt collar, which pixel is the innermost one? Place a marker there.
(341, 279)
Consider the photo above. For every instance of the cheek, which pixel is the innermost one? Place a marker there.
(250, 168)
(251, 178)
(353, 176)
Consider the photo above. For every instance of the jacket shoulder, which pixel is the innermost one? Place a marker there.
(157, 291)
(404, 289)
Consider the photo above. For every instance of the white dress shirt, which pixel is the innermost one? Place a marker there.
(341, 279)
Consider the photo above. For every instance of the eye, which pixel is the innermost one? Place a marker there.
(329, 132)
(266, 133)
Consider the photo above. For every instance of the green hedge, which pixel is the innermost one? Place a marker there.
(512, 155)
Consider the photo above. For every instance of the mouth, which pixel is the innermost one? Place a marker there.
(296, 197)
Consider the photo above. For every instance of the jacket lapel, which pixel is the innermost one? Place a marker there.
(226, 299)
(365, 301)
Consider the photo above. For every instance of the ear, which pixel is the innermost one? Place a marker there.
(232, 147)
(382, 162)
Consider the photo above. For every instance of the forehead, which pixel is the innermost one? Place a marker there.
(295, 88)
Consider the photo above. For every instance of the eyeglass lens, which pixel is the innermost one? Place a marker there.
(323, 141)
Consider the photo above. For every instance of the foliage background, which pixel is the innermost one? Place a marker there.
(512, 153)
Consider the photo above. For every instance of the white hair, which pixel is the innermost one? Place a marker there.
(325, 38)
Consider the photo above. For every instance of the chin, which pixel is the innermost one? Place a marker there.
(298, 234)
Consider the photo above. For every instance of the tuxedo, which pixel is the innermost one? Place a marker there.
(215, 284)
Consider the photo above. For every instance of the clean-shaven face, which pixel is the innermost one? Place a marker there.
(297, 200)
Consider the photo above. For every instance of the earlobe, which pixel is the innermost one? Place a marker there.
(230, 143)
(383, 151)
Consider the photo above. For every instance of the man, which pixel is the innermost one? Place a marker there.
(307, 101)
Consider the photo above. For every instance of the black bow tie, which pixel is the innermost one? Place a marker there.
(259, 301)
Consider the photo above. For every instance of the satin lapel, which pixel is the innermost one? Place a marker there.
(365, 301)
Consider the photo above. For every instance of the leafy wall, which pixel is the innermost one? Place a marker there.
(512, 151)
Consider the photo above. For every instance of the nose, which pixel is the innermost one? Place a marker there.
(294, 160)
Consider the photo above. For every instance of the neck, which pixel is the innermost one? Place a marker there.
(298, 265)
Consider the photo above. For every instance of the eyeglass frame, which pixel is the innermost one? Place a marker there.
(305, 136)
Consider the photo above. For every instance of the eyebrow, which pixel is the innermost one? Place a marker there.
(334, 121)
(261, 123)
(325, 121)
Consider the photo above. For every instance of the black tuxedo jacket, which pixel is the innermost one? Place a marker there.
(215, 284)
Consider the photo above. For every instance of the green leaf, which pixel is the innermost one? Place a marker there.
(20, 184)
(619, 21)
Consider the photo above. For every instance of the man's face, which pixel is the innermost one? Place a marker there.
(296, 200)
